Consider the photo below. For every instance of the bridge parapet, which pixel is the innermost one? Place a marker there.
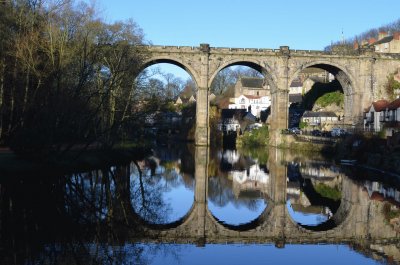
(171, 48)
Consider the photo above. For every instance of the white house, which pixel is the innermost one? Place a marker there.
(255, 103)
(319, 118)
(389, 117)
(375, 115)
(392, 112)
(252, 179)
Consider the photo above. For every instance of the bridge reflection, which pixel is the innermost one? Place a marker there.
(354, 216)
(123, 204)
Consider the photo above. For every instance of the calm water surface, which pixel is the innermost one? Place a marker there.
(192, 205)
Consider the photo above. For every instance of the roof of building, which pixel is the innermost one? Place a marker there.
(179, 101)
(383, 40)
(296, 83)
(380, 105)
(295, 98)
(230, 113)
(394, 104)
(249, 116)
(252, 82)
(252, 97)
(310, 114)
(192, 99)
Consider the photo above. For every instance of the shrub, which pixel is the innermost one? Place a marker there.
(256, 137)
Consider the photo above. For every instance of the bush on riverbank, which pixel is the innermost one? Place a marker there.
(254, 138)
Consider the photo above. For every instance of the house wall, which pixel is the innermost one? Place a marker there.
(257, 105)
(252, 91)
(377, 122)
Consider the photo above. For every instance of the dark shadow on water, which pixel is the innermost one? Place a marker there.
(229, 140)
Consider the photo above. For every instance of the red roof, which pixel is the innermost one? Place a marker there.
(396, 35)
(371, 40)
(380, 105)
(394, 104)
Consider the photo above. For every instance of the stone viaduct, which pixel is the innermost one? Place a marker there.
(358, 219)
(362, 75)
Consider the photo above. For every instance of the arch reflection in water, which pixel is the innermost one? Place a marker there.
(160, 192)
(313, 193)
(237, 190)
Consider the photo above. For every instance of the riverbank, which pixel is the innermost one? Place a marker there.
(71, 161)
(368, 151)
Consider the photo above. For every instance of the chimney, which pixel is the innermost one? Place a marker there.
(396, 35)
(382, 34)
(355, 45)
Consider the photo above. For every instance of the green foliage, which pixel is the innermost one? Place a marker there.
(328, 192)
(327, 99)
(256, 137)
(303, 124)
(382, 134)
(169, 106)
(389, 213)
(259, 153)
(317, 91)
(392, 85)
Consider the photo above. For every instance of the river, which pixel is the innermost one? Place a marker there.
(195, 205)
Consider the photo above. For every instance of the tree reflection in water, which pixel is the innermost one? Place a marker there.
(82, 218)
(146, 193)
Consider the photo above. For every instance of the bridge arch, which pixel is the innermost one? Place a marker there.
(252, 225)
(174, 61)
(333, 223)
(254, 64)
(329, 66)
(344, 77)
(341, 215)
(164, 226)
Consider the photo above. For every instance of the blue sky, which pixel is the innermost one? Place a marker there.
(306, 24)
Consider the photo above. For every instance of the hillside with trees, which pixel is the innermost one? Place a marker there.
(348, 44)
